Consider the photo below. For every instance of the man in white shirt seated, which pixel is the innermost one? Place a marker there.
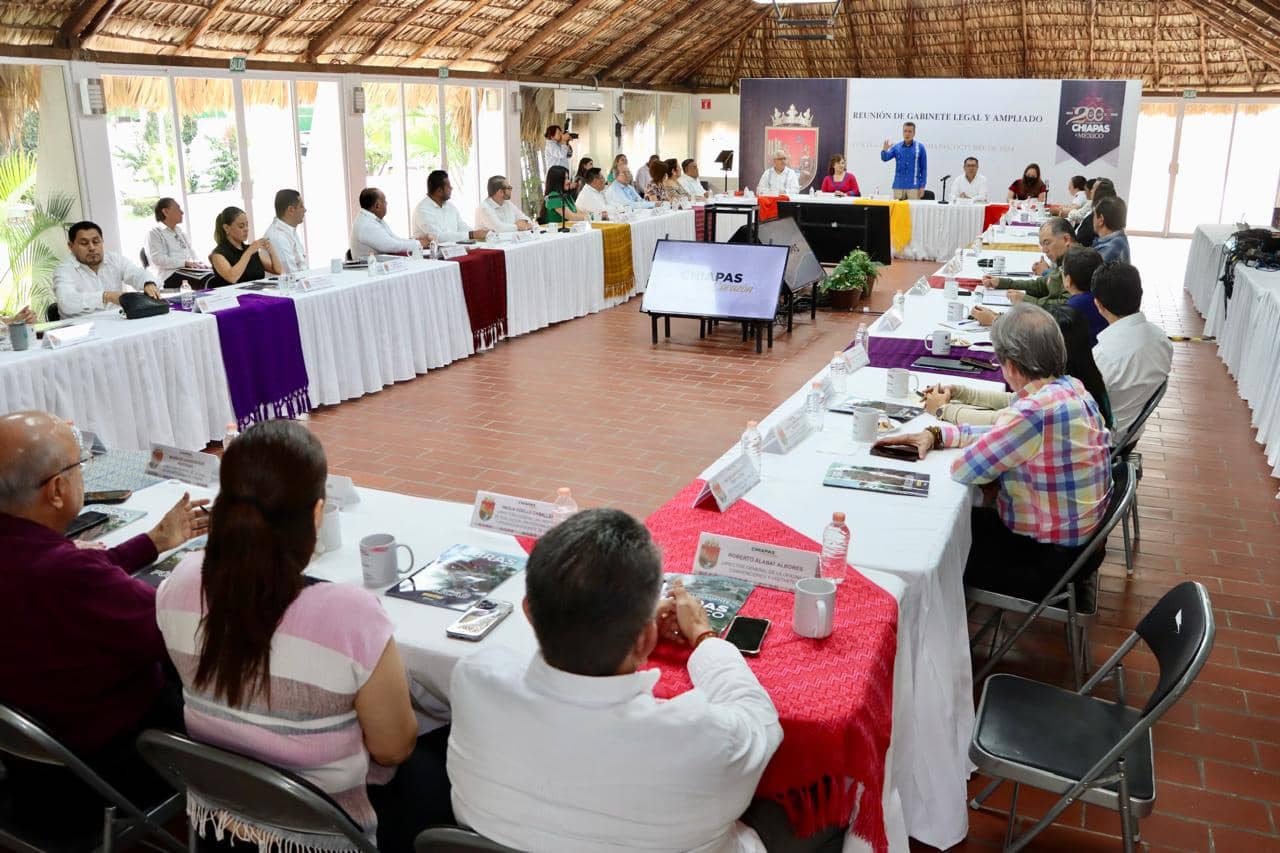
(778, 179)
(1133, 354)
(591, 197)
(621, 194)
(169, 250)
(498, 212)
(283, 232)
(568, 749)
(689, 180)
(436, 218)
(93, 278)
(970, 184)
(370, 234)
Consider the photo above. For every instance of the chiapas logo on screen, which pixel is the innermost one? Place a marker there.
(1089, 116)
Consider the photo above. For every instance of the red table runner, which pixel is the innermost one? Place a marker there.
(484, 286)
(769, 206)
(993, 214)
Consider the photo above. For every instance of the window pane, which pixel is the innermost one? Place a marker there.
(207, 124)
(1255, 165)
(326, 228)
(639, 130)
(1149, 192)
(714, 137)
(595, 138)
(459, 130)
(268, 124)
(422, 138)
(1202, 162)
(673, 124)
(490, 139)
(536, 103)
(384, 151)
(144, 155)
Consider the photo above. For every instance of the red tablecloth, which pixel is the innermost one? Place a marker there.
(993, 214)
(699, 225)
(484, 285)
(769, 206)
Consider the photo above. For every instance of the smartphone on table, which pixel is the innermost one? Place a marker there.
(110, 496)
(747, 633)
(900, 452)
(479, 620)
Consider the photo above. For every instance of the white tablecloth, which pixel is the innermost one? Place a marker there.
(1014, 235)
(155, 380)
(553, 278)
(937, 230)
(1204, 264)
(1016, 264)
(647, 231)
(924, 544)
(925, 314)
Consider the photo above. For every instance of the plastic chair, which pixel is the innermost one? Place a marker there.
(455, 839)
(1063, 602)
(1124, 449)
(248, 788)
(142, 256)
(1084, 747)
(124, 822)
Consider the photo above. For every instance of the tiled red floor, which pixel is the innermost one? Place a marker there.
(593, 405)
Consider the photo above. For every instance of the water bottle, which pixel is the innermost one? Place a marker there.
(372, 265)
(564, 507)
(79, 437)
(835, 549)
(900, 304)
(433, 250)
(839, 372)
(753, 446)
(815, 407)
(860, 336)
(187, 295)
(232, 433)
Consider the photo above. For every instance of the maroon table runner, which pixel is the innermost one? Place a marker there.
(484, 286)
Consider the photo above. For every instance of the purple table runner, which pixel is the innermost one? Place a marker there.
(901, 352)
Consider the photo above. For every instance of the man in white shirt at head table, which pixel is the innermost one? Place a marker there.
(437, 217)
(93, 278)
(370, 234)
(283, 231)
(169, 250)
(970, 185)
(622, 193)
(689, 180)
(779, 179)
(568, 749)
(591, 197)
(1133, 354)
(498, 213)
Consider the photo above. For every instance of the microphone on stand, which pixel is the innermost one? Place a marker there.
(943, 200)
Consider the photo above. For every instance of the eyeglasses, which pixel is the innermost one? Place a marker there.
(62, 471)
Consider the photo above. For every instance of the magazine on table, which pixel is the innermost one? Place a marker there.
(458, 578)
(893, 411)
(887, 481)
(721, 597)
(155, 574)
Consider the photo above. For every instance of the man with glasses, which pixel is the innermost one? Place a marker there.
(82, 653)
(498, 212)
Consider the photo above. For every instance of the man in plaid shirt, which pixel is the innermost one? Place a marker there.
(1046, 460)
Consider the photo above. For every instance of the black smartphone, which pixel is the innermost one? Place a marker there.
(900, 452)
(85, 521)
(747, 634)
(977, 362)
(112, 496)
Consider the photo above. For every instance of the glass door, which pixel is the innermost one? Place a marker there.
(1204, 145)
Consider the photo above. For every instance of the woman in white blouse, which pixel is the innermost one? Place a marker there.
(169, 250)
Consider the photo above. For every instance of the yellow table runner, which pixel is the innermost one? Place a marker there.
(899, 221)
(1012, 247)
(619, 277)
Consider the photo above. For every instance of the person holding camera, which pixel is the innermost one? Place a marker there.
(557, 151)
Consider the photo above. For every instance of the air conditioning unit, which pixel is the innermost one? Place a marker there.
(579, 101)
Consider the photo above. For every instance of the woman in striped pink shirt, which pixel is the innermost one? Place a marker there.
(303, 677)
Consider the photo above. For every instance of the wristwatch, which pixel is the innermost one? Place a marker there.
(936, 432)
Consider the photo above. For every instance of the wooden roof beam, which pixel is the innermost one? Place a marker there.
(203, 24)
(529, 9)
(278, 27)
(1204, 60)
(1155, 46)
(601, 28)
(445, 31)
(712, 48)
(80, 18)
(545, 32)
(396, 29)
(854, 41)
(332, 32)
(1251, 43)
(644, 45)
(658, 72)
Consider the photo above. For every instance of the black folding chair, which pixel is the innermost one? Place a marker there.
(248, 788)
(1064, 602)
(1124, 449)
(123, 822)
(453, 839)
(1084, 747)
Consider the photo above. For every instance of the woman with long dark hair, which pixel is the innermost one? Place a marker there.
(307, 677)
(1029, 186)
(234, 258)
(557, 204)
(579, 181)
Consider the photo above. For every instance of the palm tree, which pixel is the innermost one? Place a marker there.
(27, 277)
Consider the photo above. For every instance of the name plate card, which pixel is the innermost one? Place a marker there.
(341, 491)
(857, 357)
(729, 483)
(69, 336)
(789, 432)
(453, 251)
(188, 466)
(890, 321)
(526, 236)
(215, 302)
(316, 282)
(396, 265)
(763, 565)
(513, 516)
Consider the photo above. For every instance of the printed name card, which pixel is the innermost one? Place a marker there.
(513, 516)
(891, 320)
(789, 432)
(395, 265)
(69, 336)
(341, 491)
(755, 562)
(526, 236)
(857, 357)
(729, 483)
(188, 466)
(217, 301)
(452, 250)
(317, 282)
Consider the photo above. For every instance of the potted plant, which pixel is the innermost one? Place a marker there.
(851, 280)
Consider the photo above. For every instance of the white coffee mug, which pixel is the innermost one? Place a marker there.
(997, 265)
(815, 607)
(951, 287)
(335, 265)
(330, 536)
(866, 423)
(955, 311)
(938, 342)
(899, 382)
(379, 559)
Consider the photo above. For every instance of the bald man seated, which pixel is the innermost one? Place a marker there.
(82, 653)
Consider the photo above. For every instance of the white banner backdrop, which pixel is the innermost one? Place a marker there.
(1006, 124)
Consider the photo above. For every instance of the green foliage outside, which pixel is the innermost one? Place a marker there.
(27, 276)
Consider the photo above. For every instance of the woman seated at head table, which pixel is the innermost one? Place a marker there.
(839, 181)
(303, 676)
(1029, 187)
(558, 205)
(961, 404)
(234, 259)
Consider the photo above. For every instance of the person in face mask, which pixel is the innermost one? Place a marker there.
(1029, 186)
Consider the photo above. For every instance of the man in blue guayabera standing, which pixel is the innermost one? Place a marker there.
(911, 172)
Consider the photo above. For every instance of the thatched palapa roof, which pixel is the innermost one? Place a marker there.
(1227, 46)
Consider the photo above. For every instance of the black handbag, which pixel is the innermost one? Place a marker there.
(138, 305)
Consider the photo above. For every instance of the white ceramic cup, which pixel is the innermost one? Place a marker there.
(998, 264)
(335, 265)
(938, 342)
(866, 423)
(951, 288)
(899, 382)
(955, 311)
(330, 536)
(379, 560)
(815, 607)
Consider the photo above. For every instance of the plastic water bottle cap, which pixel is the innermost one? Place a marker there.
(837, 516)
(837, 354)
(817, 386)
(751, 424)
(563, 490)
(231, 426)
